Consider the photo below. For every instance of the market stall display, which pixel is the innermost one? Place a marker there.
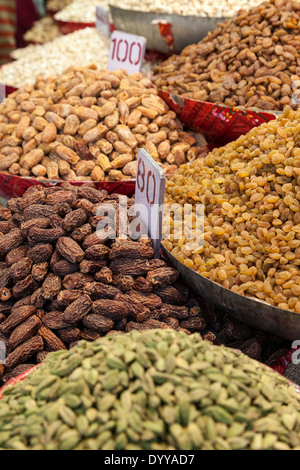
(251, 60)
(80, 48)
(100, 344)
(43, 30)
(156, 390)
(88, 124)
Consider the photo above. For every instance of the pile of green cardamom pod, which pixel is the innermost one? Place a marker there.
(153, 390)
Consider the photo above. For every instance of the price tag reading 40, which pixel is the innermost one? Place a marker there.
(127, 52)
(149, 197)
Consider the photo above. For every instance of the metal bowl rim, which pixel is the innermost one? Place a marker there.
(189, 17)
(276, 310)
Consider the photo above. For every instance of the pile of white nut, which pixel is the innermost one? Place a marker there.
(81, 11)
(56, 5)
(206, 8)
(80, 48)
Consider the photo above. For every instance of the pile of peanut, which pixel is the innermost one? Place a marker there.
(61, 281)
(43, 30)
(80, 11)
(205, 8)
(80, 48)
(88, 125)
(252, 60)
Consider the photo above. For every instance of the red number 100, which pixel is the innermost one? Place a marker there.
(129, 51)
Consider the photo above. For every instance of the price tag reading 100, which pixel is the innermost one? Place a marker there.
(149, 197)
(127, 52)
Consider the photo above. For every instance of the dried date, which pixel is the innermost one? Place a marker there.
(74, 220)
(23, 352)
(21, 269)
(105, 275)
(89, 335)
(39, 271)
(97, 290)
(17, 316)
(10, 241)
(81, 233)
(76, 281)
(113, 309)
(179, 312)
(69, 249)
(69, 335)
(7, 226)
(61, 197)
(54, 320)
(5, 278)
(136, 310)
(90, 266)
(171, 295)
(25, 331)
(150, 301)
(97, 252)
(5, 294)
(28, 224)
(24, 287)
(98, 323)
(143, 285)
(194, 325)
(66, 297)
(16, 255)
(51, 286)
(40, 235)
(123, 282)
(130, 266)
(37, 211)
(63, 267)
(40, 253)
(131, 249)
(50, 340)
(77, 310)
(163, 276)
(56, 221)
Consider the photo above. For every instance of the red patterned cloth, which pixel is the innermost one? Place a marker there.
(7, 29)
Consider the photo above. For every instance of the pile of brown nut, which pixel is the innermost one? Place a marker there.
(252, 60)
(88, 125)
(62, 281)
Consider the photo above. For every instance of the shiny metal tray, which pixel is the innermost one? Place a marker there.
(186, 29)
(257, 314)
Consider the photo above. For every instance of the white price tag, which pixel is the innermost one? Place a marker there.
(149, 197)
(127, 52)
(102, 21)
(2, 92)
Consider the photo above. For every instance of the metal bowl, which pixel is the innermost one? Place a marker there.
(257, 314)
(186, 29)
